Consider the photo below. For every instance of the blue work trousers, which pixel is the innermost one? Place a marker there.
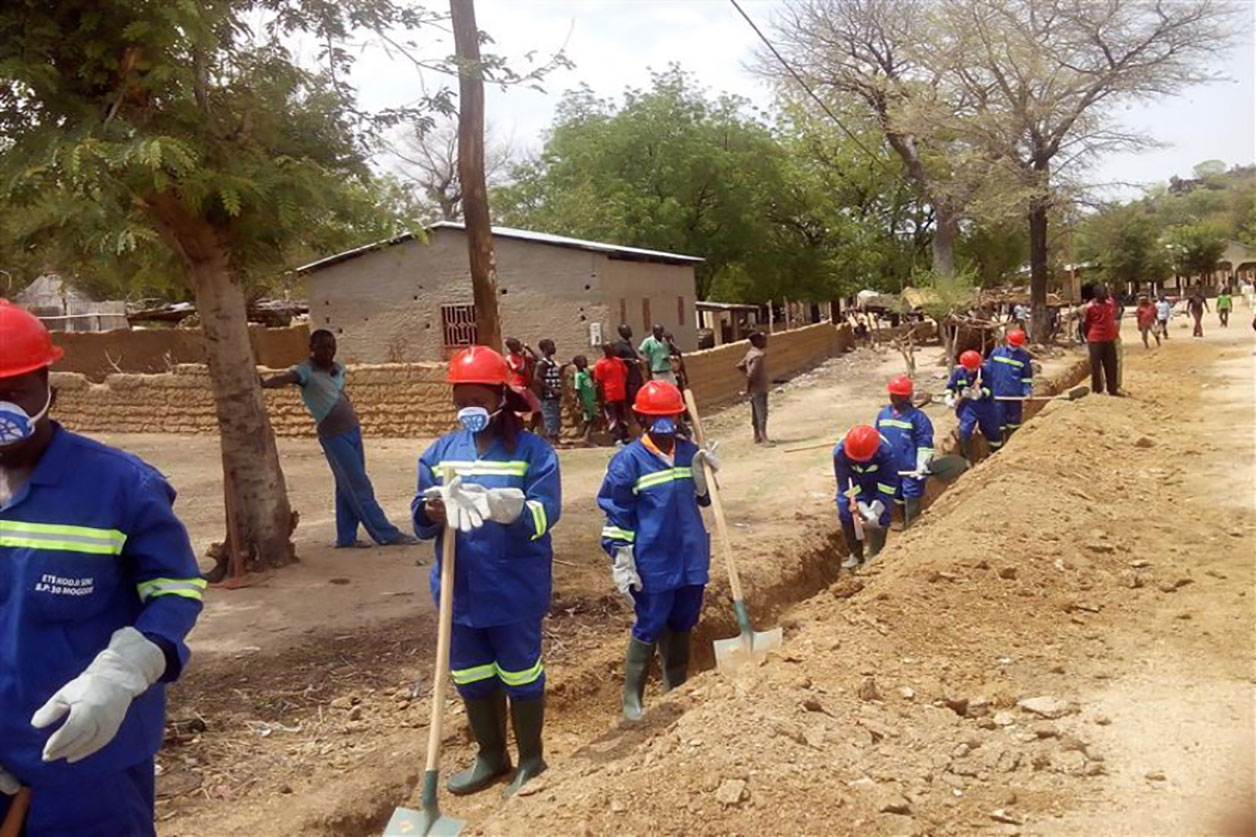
(1012, 412)
(114, 805)
(483, 660)
(911, 487)
(988, 417)
(355, 498)
(675, 610)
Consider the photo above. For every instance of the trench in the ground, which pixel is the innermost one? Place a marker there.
(812, 567)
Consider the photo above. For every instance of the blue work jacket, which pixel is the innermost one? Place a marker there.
(962, 379)
(1011, 371)
(90, 545)
(653, 507)
(876, 479)
(504, 572)
(907, 432)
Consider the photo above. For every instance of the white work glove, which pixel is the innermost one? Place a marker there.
(624, 571)
(505, 505)
(704, 455)
(9, 784)
(466, 505)
(97, 699)
(923, 458)
(950, 398)
(871, 512)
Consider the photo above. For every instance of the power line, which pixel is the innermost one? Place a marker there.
(803, 84)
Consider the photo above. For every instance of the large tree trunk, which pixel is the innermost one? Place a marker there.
(1040, 322)
(254, 479)
(488, 324)
(945, 230)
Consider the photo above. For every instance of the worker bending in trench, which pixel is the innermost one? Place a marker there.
(910, 434)
(98, 589)
(659, 548)
(866, 469)
(500, 506)
(968, 391)
(1011, 375)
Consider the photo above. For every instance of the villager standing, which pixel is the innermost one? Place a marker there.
(322, 383)
(755, 367)
(1101, 333)
(657, 355)
(1146, 315)
(1197, 305)
(1225, 304)
(626, 352)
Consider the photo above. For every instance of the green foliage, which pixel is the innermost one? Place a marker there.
(1125, 241)
(946, 295)
(994, 252)
(127, 127)
(784, 212)
(1197, 248)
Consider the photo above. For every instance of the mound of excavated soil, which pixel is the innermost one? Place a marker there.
(938, 691)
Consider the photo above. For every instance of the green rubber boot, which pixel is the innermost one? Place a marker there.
(636, 667)
(966, 449)
(487, 717)
(528, 719)
(911, 510)
(674, 658)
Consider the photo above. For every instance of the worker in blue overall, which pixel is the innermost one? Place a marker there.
(496, 486)
(659, 548)
(910, 434)
(866, 469)
(1011, 374)
(968, 391)
(98, 588)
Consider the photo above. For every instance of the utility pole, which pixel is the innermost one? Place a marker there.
(488, 325)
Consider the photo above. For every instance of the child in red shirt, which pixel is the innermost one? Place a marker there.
(1146, 314)
(611, 375)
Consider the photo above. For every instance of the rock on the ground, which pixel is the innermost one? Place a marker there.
(1005, 816)
(1048, 707)
(1154, 776)
(1004, 719)
(730, 791)
(868, 690)
(1008, 573)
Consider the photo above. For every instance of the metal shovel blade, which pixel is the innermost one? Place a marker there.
(731, 654)
(408, 823)
(1080, 391)
(947, 468)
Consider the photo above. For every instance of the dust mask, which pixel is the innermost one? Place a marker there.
(475, 419)
(16, 425)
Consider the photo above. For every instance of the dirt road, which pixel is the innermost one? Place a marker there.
(305, 684)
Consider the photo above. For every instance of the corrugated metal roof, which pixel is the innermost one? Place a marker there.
(613, 250)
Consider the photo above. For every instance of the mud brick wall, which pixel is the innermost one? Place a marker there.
(716, 380)
(97, 354)
(391, 400)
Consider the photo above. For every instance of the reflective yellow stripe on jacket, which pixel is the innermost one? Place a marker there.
(65, 538)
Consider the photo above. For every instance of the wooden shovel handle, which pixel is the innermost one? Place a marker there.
(717, 505)
(13, 820)
(440, 681)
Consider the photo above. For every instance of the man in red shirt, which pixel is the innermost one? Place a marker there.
(1102, 331)
(611, 375)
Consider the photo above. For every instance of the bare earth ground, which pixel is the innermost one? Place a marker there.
(1019, 583)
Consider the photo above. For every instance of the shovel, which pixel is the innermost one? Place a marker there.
(1080, 391)
(945, 468)
(750, 645)
(429, 821)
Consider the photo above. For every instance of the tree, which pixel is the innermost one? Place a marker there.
(673, 169)
(427, 156)
(994, 252)
(186, 139)
(1125, 241)
(1196, 249)
(1046, 75)
(875, 56)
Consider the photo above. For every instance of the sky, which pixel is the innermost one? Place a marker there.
(615, 44)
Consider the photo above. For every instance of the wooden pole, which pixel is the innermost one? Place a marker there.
(488, 325)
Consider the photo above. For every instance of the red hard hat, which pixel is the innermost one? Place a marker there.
(1016, 338)
(25, 344)
(970, 360)
(478, 365)
(659, 398)
(861, 442)
(900, 385)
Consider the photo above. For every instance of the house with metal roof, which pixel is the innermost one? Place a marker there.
(409, 298)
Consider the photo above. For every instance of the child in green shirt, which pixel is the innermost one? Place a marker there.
(586, 392)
